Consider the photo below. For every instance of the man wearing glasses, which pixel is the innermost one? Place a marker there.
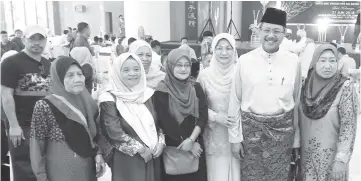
(265, 90)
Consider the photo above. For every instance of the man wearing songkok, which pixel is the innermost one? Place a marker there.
(264, 94)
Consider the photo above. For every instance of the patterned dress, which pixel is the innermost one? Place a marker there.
(329, 138)
(221, 165)
(51, 157)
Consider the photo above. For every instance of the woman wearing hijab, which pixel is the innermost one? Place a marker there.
(327, 119)
(85, 59)
(216, 81)
(144, 52)
(128, 120)
(63, 129)
(182, 114)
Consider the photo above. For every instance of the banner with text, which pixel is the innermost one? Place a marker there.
(337, 12)
(191, 19)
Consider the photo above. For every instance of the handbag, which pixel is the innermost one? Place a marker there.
(178, 162)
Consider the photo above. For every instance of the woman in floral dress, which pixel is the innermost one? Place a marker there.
(327, 119)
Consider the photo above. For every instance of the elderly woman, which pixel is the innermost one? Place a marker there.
(63, 129)
(182, 114)
(216, 81)
(85, 59)
(327, 119)
(143, 50)
(128, 121)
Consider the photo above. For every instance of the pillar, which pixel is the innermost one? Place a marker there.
(154, 16)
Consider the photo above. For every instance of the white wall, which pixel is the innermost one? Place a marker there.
(154, 16)
(116, 8)
(93, 15)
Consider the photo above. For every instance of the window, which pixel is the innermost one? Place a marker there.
(18, 17)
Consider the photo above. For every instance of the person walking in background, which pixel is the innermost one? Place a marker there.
(63, 145)
(95, 41)
(24, 80)
(345, 63)
(129, 122)
(82, 39)
(327, 119)
(18, 39)
(182, 114)
(6, 44)
(265, 92)
(216, 81)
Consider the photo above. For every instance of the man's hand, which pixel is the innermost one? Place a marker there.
(238, 150)
(16, 135)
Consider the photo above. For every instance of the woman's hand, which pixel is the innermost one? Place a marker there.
(338, 172)
(100, 165)
(158, 150)
(186, 145)
(197, 150)
(146, 154)
(223, 119)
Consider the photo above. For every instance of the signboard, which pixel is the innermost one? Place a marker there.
(310, 12)
(191, 19)
(338, 11)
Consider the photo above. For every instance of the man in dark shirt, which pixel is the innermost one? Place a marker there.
(18, 39)
(6, 44)
(82, 39)
(24, 80)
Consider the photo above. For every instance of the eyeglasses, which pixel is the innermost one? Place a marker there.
(179, 66)
(275, 31)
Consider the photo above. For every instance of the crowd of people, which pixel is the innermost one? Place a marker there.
(274, 113)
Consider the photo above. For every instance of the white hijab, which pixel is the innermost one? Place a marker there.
(130, 102)
(82, 55)
(220, 76)
(154, 76)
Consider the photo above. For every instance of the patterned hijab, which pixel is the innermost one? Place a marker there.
(153, 76)
(80, 108)
(220, 76)
(183, 100)
(318, 93)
